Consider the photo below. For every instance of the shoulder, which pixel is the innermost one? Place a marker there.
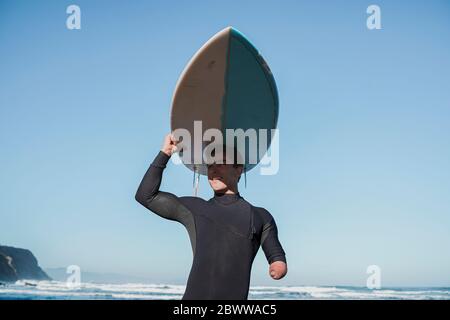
(263, 214)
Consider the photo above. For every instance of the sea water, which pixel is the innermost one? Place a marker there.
(60, 290)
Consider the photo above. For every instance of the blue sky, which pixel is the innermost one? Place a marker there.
(364, 127)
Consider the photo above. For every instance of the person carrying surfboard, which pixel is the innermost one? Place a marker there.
(225, 231)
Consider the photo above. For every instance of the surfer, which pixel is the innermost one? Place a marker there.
(225, 231)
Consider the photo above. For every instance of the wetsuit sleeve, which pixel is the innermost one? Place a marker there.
(164, 204)
(270, 244)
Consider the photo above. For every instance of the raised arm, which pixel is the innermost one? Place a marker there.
(164, 204)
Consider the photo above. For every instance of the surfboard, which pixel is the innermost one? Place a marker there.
(226, 85)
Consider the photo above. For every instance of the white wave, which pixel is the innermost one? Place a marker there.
(145, 297)
(27, 289)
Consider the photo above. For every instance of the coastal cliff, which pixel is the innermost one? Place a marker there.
(17, 264)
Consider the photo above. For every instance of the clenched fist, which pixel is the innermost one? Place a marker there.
(169, 144)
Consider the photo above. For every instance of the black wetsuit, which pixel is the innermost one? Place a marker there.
(225, 233)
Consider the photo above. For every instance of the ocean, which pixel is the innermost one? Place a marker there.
(56, 290)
